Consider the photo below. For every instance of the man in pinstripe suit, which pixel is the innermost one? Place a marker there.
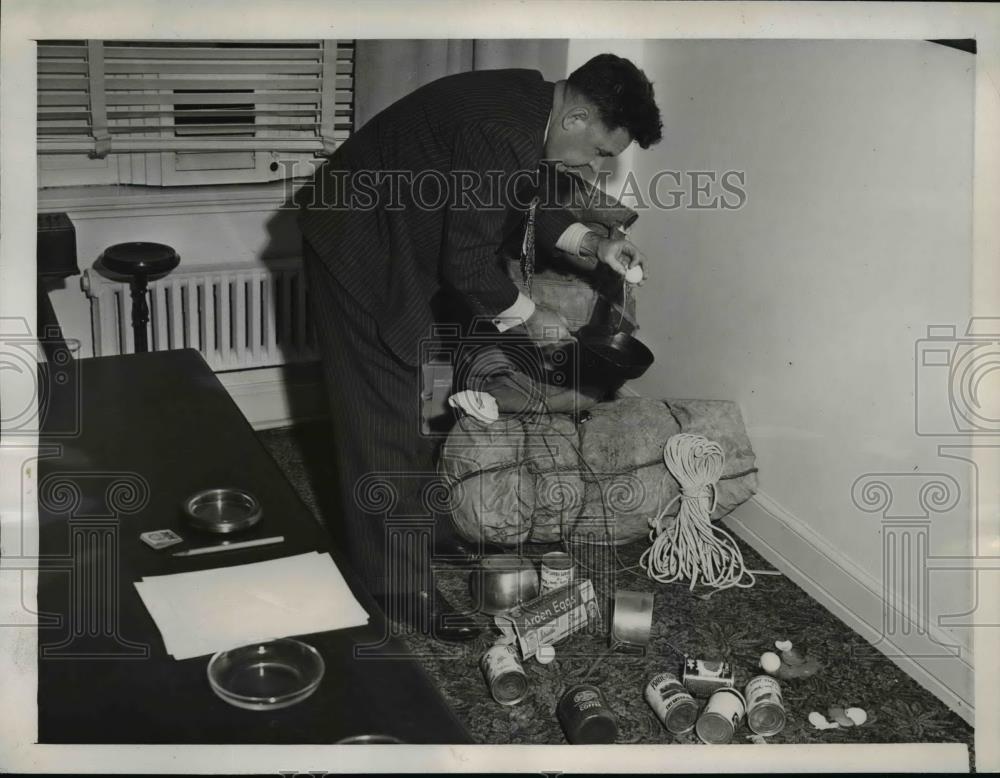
(405, 219)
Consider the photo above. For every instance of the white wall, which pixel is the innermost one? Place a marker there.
(805, 305)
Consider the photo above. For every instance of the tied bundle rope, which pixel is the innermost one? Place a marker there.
(690, 547)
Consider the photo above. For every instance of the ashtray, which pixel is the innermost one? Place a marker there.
(368, 740)
(266, 676)
(222, 510)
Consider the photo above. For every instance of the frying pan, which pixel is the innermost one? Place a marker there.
(602, 358)
(607, 353)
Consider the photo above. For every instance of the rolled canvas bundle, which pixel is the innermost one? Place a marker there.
(622, 443)
(595, 478)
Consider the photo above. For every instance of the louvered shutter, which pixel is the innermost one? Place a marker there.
(103, 97)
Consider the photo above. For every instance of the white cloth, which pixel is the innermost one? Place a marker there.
(482, 406)
(522, 310)
(572, 238)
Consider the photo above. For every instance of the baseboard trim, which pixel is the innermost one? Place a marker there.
(277, 396)
(854, 596)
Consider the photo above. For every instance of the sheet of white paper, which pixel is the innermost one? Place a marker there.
(206, 611)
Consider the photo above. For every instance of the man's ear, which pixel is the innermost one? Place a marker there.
(576, 118)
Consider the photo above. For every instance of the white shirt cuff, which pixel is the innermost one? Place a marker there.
(572, 238)
(522, 310)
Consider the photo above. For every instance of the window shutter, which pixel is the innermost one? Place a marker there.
(146, 96)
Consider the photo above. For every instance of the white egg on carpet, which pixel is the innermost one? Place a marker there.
(770, 662)
(858, 715)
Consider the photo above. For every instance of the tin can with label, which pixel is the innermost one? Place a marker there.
(557, 571)
(505, 676)
(765, 707)
(672, 703)
(704, 677)
(585, 716)
(721, 717)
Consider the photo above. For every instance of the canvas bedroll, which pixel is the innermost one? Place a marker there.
(598, 477)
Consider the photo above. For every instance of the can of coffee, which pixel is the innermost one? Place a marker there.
(672, 703)
(585, 716)
(765, 707)
(505, 676)
(557, 571)
(721, 717)
(704, 677)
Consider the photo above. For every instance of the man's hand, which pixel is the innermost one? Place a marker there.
(619, 253)
(547, 327)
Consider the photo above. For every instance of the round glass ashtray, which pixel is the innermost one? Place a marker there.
(222, 510)
(368, 740)
(268, 675)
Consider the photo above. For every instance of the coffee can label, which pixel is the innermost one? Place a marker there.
(585, 716)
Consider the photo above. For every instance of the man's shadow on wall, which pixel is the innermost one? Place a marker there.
(304, 450)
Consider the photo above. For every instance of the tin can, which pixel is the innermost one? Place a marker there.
(632, 621)
(557, 571)
(704, 677)
(585, 716)
(672, 703)
(765, 707)
(721, 717)
(505, 676)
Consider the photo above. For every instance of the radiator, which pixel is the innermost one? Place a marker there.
(237, 316)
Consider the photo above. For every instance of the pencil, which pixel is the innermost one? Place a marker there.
(231, 546)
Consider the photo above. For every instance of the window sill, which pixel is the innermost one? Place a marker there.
(114, 200)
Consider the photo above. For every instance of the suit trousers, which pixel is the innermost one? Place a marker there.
(385, 465)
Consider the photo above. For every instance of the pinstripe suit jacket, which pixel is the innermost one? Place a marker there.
(400, 255)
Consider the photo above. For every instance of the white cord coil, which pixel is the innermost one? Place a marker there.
(689, 547)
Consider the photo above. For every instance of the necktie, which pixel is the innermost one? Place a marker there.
(528, 246)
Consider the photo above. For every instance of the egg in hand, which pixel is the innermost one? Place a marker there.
(634, 274)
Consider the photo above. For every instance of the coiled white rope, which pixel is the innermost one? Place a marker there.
(689, 547)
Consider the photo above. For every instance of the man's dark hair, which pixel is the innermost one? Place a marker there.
(622, 94)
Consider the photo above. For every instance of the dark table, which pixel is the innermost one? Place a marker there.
(126, 440)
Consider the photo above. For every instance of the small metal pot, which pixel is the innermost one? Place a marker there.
(503, 582)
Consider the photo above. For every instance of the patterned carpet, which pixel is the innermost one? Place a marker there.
(735, 625)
